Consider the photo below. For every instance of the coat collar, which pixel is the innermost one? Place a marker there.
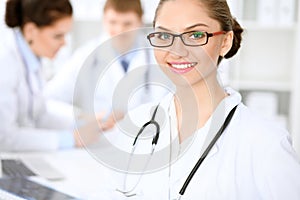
(193, 147)
(32, 62)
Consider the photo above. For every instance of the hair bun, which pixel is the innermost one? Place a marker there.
(237, 38)
(13, 13)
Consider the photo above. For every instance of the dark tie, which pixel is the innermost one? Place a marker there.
(124, 64)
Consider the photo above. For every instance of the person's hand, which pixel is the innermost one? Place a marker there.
(107, 121)
(88, 129)
(87, 133)
(93, 126)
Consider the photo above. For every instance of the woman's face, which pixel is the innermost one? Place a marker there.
(186, 64)
(46, 41)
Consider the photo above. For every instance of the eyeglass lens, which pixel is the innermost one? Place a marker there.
(164, 39)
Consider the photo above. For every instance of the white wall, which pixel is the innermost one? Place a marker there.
(3, 27)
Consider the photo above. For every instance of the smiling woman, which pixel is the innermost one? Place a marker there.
(210, 145)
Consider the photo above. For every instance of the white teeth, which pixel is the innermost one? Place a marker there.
(183, 66)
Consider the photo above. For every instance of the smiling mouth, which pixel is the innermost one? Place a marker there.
(182, 65)
(182, 68)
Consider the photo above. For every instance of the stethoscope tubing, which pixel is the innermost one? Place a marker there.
(203, 156)
(200, 160)
(207, 150)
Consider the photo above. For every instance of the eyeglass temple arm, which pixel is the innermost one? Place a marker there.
(216, 33)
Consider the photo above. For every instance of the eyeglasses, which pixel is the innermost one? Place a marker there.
(191, 38)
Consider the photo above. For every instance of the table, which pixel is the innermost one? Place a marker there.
(84, 176)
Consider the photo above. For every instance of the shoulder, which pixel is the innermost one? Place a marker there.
(260, 139)
(89, 46)
(10, 61)
(274, 160)
(86, 49)
(253, 132)
(250, 121)
(263, 149)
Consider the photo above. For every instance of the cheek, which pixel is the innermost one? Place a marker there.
(207, 56)
(214, 51)
(111, 30)
(160, 56)
(48, 43)
(48, 46)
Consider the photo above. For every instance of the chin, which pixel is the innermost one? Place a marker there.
(50, 56)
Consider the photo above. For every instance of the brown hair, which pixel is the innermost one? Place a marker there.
(125, 6)
(218, 10)
(40, 12)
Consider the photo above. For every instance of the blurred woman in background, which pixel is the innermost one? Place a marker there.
(38, 29)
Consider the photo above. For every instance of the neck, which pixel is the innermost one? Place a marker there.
(195, 104)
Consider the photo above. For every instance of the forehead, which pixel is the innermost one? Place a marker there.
(177, 15)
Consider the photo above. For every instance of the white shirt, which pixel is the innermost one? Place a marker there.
(253, 159)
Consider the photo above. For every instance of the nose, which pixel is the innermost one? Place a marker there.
(63, 42)
(119, 29)
(178, 48)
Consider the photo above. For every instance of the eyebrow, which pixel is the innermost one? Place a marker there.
(195, 25)
(187, 28)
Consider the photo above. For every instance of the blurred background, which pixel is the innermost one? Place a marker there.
(266, 70)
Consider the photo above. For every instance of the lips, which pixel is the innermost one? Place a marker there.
(182, 67)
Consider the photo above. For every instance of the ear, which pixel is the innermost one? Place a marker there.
(227, 43)
(30, 30)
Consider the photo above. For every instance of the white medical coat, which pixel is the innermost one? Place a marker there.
(94, 80)
(253, 159)
(18, 130)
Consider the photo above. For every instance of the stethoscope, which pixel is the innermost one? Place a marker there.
(152, 121)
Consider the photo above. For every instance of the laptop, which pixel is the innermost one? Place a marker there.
(29, 166)
(20, 188)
